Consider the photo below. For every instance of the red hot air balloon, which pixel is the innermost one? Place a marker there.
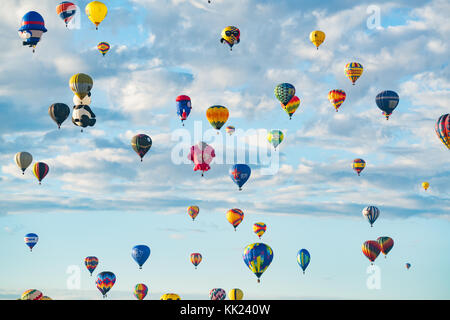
(201, 154)
(371, 249)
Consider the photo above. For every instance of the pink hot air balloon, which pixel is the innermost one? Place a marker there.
(201, 154)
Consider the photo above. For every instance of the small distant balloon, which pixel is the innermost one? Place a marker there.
(40, 170)
(353, 70)
(235, 217)
(425, 185)
(259, 228)
(359, 165)
(31, 239)
(23, 160)
(140, 291)
(141, 144)
(32, 294)
(371, 213)
(91, 263)
(140, 254)
(66, 11)
(303, 259)
(103, 47)
(105, 281)
(236, 294)
(317, 37)
(193, 211)
(371, 250)
(59, 112)
(240, 173)
(231, 35)
(217, 294)
(196, 258)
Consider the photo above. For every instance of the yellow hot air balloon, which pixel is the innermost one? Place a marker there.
(170, 296)
(96, 12)
(236, 294)
(81, 84)
(425, 185)
(317, 37)
(217, 116)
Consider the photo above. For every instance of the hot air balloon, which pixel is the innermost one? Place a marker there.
(91, 263)
(303, 259)
(217, 294)
(31, 29)
(386, 244)
(193, 211)
(141, 143)
(371, 250)
(140, 291)
(85, 101)
(184, 107)
(46, 298)
(353, 70)
(291, 106)
(96, 12)
(275, 137)
(230, 130)
(103, 47)
(425, 185)
(235, 217)
(259, 228)
(66, 11)
(387, 101)
(140, 254)
(336, 97)
(170, 296)
(81, 84)
(231, 35)
(240, 173)
(40, 170)
(31, 239)
(196, 258)
(443, 129)
(82, 116)
(359, 165)
(23, 160)
(257, 257)
(105, 281)
(59, 112)
(217, 116)
(235, 294)
(201, 154)
(32, 294)
(408, 265)
(284, 92)
(317, 37)
(371, 213)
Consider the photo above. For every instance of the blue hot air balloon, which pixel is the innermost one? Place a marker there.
(387, 101)
(303, 258)
(140, 254)
(183, 107)
(240, 173)
(32, 28)
(31, 239)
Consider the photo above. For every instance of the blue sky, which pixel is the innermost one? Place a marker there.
(99, 199)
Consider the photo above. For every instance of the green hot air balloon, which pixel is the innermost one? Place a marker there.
(284, 92)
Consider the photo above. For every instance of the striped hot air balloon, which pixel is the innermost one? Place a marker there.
(353, 70)
(336, 97)
(443, 129)
(387, 101)
(371, 213)
(91, 263)
(386, 244)
(235, 294)
(32, 294)
(170, 296)
(230, 130)
(303, 259)
(103, 47)
(371, 250)
(235, 217)
(259, 228)
(217, 116)
(196, 258)
(40, 170)
(291, 106)
(66, 11)
(359, 165)
(105, 281)
(81, 84)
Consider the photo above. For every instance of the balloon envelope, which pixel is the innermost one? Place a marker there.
(257, 257)
(240, 173)
(66, 11)
(140, 291)
(91, 263)
(387, 101)
(96, 12)
(353, 70)
(140, 254)
(284, 92)
(141, 144)
(303, 259)
(23, 160)
(31, 239)
(217, 294)
(32, 294)
(59, 112)
(201, 154)
(105, 281)
(442, 129)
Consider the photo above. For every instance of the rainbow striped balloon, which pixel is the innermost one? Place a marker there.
(353, 70)
(196, 258)
(235, 217)
(259, 228)
(91, 263)
(291, 106)
(40, 170)
(359, 165)
(386, 244)
(336, 97)
(105, 281)
(32, 294)
(371, 250)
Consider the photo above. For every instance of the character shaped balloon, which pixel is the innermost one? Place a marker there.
(83, 116)
(31, 29)
(231, 35)
(201, 154)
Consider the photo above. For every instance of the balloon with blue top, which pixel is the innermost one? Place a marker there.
(31, 29)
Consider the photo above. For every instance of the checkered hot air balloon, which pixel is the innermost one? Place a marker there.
(217, 294)
(284, 92)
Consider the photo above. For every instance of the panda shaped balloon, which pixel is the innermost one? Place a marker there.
(83, 116)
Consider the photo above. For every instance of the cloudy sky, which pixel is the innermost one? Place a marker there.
(99, 199)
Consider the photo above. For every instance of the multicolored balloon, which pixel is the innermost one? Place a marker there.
(59, 112)
(96, 12)
(387, 101)
(425, 185)
(231, 35)
(103, 47)
(31, 239)
(193, 211)
(40, 170)
(257, 257)
(371, 213)
(275, 137)
(32, 294)
(217, 294)
(317, 38)
(23, 160)
(386, 244)
(196, 258)
(303, 259)
(443, 129)
(184, 107)
(66, 11)
(105, 281)
(284, 92)
(259, 228)
(201, 154)
(46, 298)
(353, 70)
(217, 116)
(31, 29)
(140, 254)
(170, 296)
(371, 250)
(408, 265)
(141, 144)
(291, 106)
(230, 130)
(140, 291)
(336, 97)
(240, 173)
(235, 217)
(359, 165)
(91, 263)
(235, 294)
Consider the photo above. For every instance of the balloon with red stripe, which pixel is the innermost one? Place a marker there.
(66, 11)
(103, 47)
(371, 250)
(40, 170)
(386, 244)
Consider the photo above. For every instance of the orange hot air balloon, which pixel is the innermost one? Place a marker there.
(259, 228)
(193, 211)
(425, 185)
(196, 258)
(217, 116)
(291, 106)
(371, 250)
(336, 97)
(235, 217)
